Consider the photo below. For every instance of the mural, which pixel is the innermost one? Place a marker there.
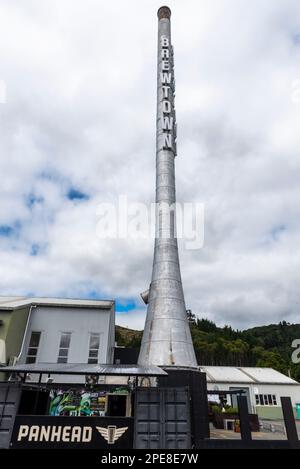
(77, 403)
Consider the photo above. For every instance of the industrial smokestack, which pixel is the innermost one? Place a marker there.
(167, 339)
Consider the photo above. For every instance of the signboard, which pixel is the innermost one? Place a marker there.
(167, 139)
(72, 432)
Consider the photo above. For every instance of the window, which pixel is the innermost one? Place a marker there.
(265, 399)
(64, 346)
(94, 348)
(33, 347)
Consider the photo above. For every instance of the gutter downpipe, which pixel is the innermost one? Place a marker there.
(25, 332)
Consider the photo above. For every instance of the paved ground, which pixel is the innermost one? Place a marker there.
(265, 434)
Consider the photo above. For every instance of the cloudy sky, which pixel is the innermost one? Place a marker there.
(77, 128)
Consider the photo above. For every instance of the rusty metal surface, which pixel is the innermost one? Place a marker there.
(164, 12)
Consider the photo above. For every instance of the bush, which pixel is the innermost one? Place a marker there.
(232, 410)
(216, 409)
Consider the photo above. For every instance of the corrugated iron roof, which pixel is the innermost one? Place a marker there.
(225, 374)
(11, 303)
(85, 369)
(231, 374)
(268, 375)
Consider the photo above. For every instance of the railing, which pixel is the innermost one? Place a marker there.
(246, 441)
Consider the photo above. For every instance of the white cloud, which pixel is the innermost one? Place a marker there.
(80, 112)
(133, 320)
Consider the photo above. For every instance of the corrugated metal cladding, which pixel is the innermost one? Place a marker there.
(162, 419)
(9, 402)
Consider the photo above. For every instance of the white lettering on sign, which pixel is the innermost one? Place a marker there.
(55, 433)
(68, 433)
(23, 432)
(168, 124)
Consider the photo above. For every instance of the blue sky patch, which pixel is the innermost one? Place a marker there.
(6, 230)
(93, 295)
(75, 194)
(124, 306)
(277, 232)
(35, 249)
(9, 231)
(50, 174)
(32, 200)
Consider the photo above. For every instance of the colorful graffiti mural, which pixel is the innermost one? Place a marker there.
(77, 403)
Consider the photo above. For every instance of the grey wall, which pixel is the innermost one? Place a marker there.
(52, 321)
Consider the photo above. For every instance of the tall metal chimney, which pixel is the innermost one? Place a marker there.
(167, 339)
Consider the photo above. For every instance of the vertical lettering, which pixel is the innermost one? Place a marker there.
(164, 41)
(165, 78)
(166, 107)
(167, 123)
(167, 141)
(165, 90)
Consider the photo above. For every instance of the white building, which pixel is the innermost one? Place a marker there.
(263, 388)
(50, 330)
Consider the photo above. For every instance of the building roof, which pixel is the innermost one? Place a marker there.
(246, 375)
(16, 302)
(85, 369)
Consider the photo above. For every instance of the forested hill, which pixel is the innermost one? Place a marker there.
(267, 346)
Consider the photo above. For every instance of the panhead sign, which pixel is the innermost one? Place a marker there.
(72, 432)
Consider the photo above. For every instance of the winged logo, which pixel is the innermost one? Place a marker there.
(112, 433)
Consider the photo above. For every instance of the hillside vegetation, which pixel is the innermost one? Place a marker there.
(266, 346)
